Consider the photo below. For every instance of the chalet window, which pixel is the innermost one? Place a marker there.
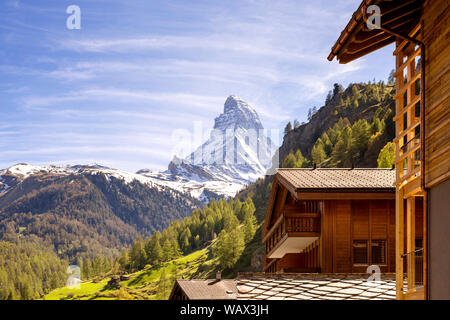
(417, 132)
(378, 251)
(360, 252)
(417, 87)
(417, 110)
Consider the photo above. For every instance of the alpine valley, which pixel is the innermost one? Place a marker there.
(87, 210)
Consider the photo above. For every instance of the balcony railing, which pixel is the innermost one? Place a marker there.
(411, 144)
(292, 225)
(413, 270)
(271, 266)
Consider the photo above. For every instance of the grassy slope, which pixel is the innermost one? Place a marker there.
(142, 284)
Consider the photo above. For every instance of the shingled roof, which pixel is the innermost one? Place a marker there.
(291, 286)
(207, 289)
(324, 178)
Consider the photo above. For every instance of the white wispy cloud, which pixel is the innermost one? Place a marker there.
(138, 70)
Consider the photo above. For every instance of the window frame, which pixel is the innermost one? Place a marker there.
(385, 252)
(367, 253)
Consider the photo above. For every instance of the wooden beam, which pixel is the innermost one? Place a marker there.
(373, 35)
(425, 244)
(399, 116)
(269, 210)
(346, 58)
(399, 244)
(411, 240)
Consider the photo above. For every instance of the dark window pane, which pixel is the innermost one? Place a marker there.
(417, 87)
(378, 251)
(360, 252)
(417, 110)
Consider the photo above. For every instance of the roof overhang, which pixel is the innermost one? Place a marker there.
(357, 40)
(345, 194)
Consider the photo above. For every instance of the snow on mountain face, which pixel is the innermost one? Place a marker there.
(237, 153)
(238, 148)
(22, 171)
(201, 190)
(237, 113)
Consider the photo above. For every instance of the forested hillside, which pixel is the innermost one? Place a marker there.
(85, 216)
(29, 269)
(231, 224)
(214, 238)
(349, 130)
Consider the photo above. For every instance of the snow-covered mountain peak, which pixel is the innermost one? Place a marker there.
(237, 153)
(237, 113)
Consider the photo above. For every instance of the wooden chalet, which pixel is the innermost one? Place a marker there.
(420, 30)
(330, 221)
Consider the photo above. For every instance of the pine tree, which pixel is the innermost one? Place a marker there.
(328, 146)
(157, 253)
(360, 135)
(250, 226)
(138, 256)
(289, 161)
(288, 128)
(299, 159)
(124, 261)
(386, 156)
(229, 247)
(318, 153)
(340, 155)
(176, 251)
(86, 271)
(167, 250)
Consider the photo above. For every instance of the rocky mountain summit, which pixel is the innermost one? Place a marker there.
(237, 153)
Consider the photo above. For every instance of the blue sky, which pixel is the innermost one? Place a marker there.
(115, 91)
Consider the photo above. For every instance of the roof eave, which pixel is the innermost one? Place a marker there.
(354, 21)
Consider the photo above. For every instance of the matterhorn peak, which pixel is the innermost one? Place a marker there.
(237, 113)
(237, 153)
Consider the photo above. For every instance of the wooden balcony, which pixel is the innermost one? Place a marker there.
(292, 233)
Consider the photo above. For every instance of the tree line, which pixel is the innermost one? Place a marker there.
(231, 223)
(29, 269)
(363, 143)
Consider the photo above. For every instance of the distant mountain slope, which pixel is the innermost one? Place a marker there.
(237, 153)
(86, 211)
(361, 101)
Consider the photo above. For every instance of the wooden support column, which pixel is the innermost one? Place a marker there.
(410, 240)
(399, 243)
(425, 245)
